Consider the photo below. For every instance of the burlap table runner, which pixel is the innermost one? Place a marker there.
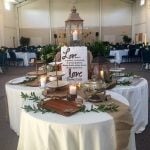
(123, 122)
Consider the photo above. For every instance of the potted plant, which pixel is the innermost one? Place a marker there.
(98, 48)
(48, 53)
(126, 39)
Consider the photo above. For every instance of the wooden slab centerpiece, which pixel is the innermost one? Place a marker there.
(63, 107)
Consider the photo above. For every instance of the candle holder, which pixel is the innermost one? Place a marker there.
(74, 28)
(43, 81)
(72, 95)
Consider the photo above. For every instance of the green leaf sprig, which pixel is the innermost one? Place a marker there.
(32, 96)
(124, 83)
(111, 107)
(107, 107)
(29, 108)
(129, 74)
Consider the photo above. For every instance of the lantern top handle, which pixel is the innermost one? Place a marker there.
(74, 16)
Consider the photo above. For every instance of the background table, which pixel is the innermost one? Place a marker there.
(118, 54)
(138, 100)
(82, 131)
(26, 56)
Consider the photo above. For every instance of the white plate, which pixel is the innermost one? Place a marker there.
(18, 80)
(59, 73)
(53, 84)
(125, 79)
(116, 69)
(57, 63)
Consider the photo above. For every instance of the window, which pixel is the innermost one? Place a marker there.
(142, 2)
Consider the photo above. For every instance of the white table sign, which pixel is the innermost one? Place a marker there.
(74, 63)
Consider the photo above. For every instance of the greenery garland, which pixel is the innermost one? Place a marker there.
(125, 83)
(110, 107)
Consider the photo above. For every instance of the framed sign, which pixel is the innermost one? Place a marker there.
(74, 63)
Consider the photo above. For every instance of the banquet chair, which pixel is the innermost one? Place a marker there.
(145, 59)
(3, 61)
(130, 57)
(14, 60)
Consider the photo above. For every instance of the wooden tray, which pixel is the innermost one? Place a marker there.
(36, 62)
(34, 83)
(34, 73)
(62, 107)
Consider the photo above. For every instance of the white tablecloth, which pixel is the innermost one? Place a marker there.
(82, 131)
(14, 100)
(26, 56)
(138, 101)
(118, 54)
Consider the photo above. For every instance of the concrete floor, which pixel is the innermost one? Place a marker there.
(9, 140)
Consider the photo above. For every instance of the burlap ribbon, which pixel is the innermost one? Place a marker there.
(123, 122)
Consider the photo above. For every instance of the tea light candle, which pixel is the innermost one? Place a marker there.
(102, 74)
(75, 35)
(72, 90)
(43, 81)
(52, 78)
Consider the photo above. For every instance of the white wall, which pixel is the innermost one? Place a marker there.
(34, 14)
(10, 31)
(116, 13)
(139, 19)
(8, 36)
(1, 24)
(39, 19)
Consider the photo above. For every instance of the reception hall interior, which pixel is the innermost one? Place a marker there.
(74, 74)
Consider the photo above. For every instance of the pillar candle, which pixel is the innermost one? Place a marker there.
(102, 74)
(75, 35)
(72, 90)
(43, 81)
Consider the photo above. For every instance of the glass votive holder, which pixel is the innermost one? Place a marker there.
(72, 94)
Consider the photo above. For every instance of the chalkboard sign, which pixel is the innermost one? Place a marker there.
(74, 63)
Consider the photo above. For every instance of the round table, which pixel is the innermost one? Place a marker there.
(81, 131)
(137, 95)
(14, 100)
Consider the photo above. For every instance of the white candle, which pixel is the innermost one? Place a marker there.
(75, 35)
(43, 81)
(72, 90)
(102, 74)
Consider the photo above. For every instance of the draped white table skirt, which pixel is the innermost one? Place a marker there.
(138, 101)
(26, 56)
(82, 131)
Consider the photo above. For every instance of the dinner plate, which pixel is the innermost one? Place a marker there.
(125, 79)
(59, 73)
(18, 80)
(53, 84)
(116, 69)
(57, 63)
